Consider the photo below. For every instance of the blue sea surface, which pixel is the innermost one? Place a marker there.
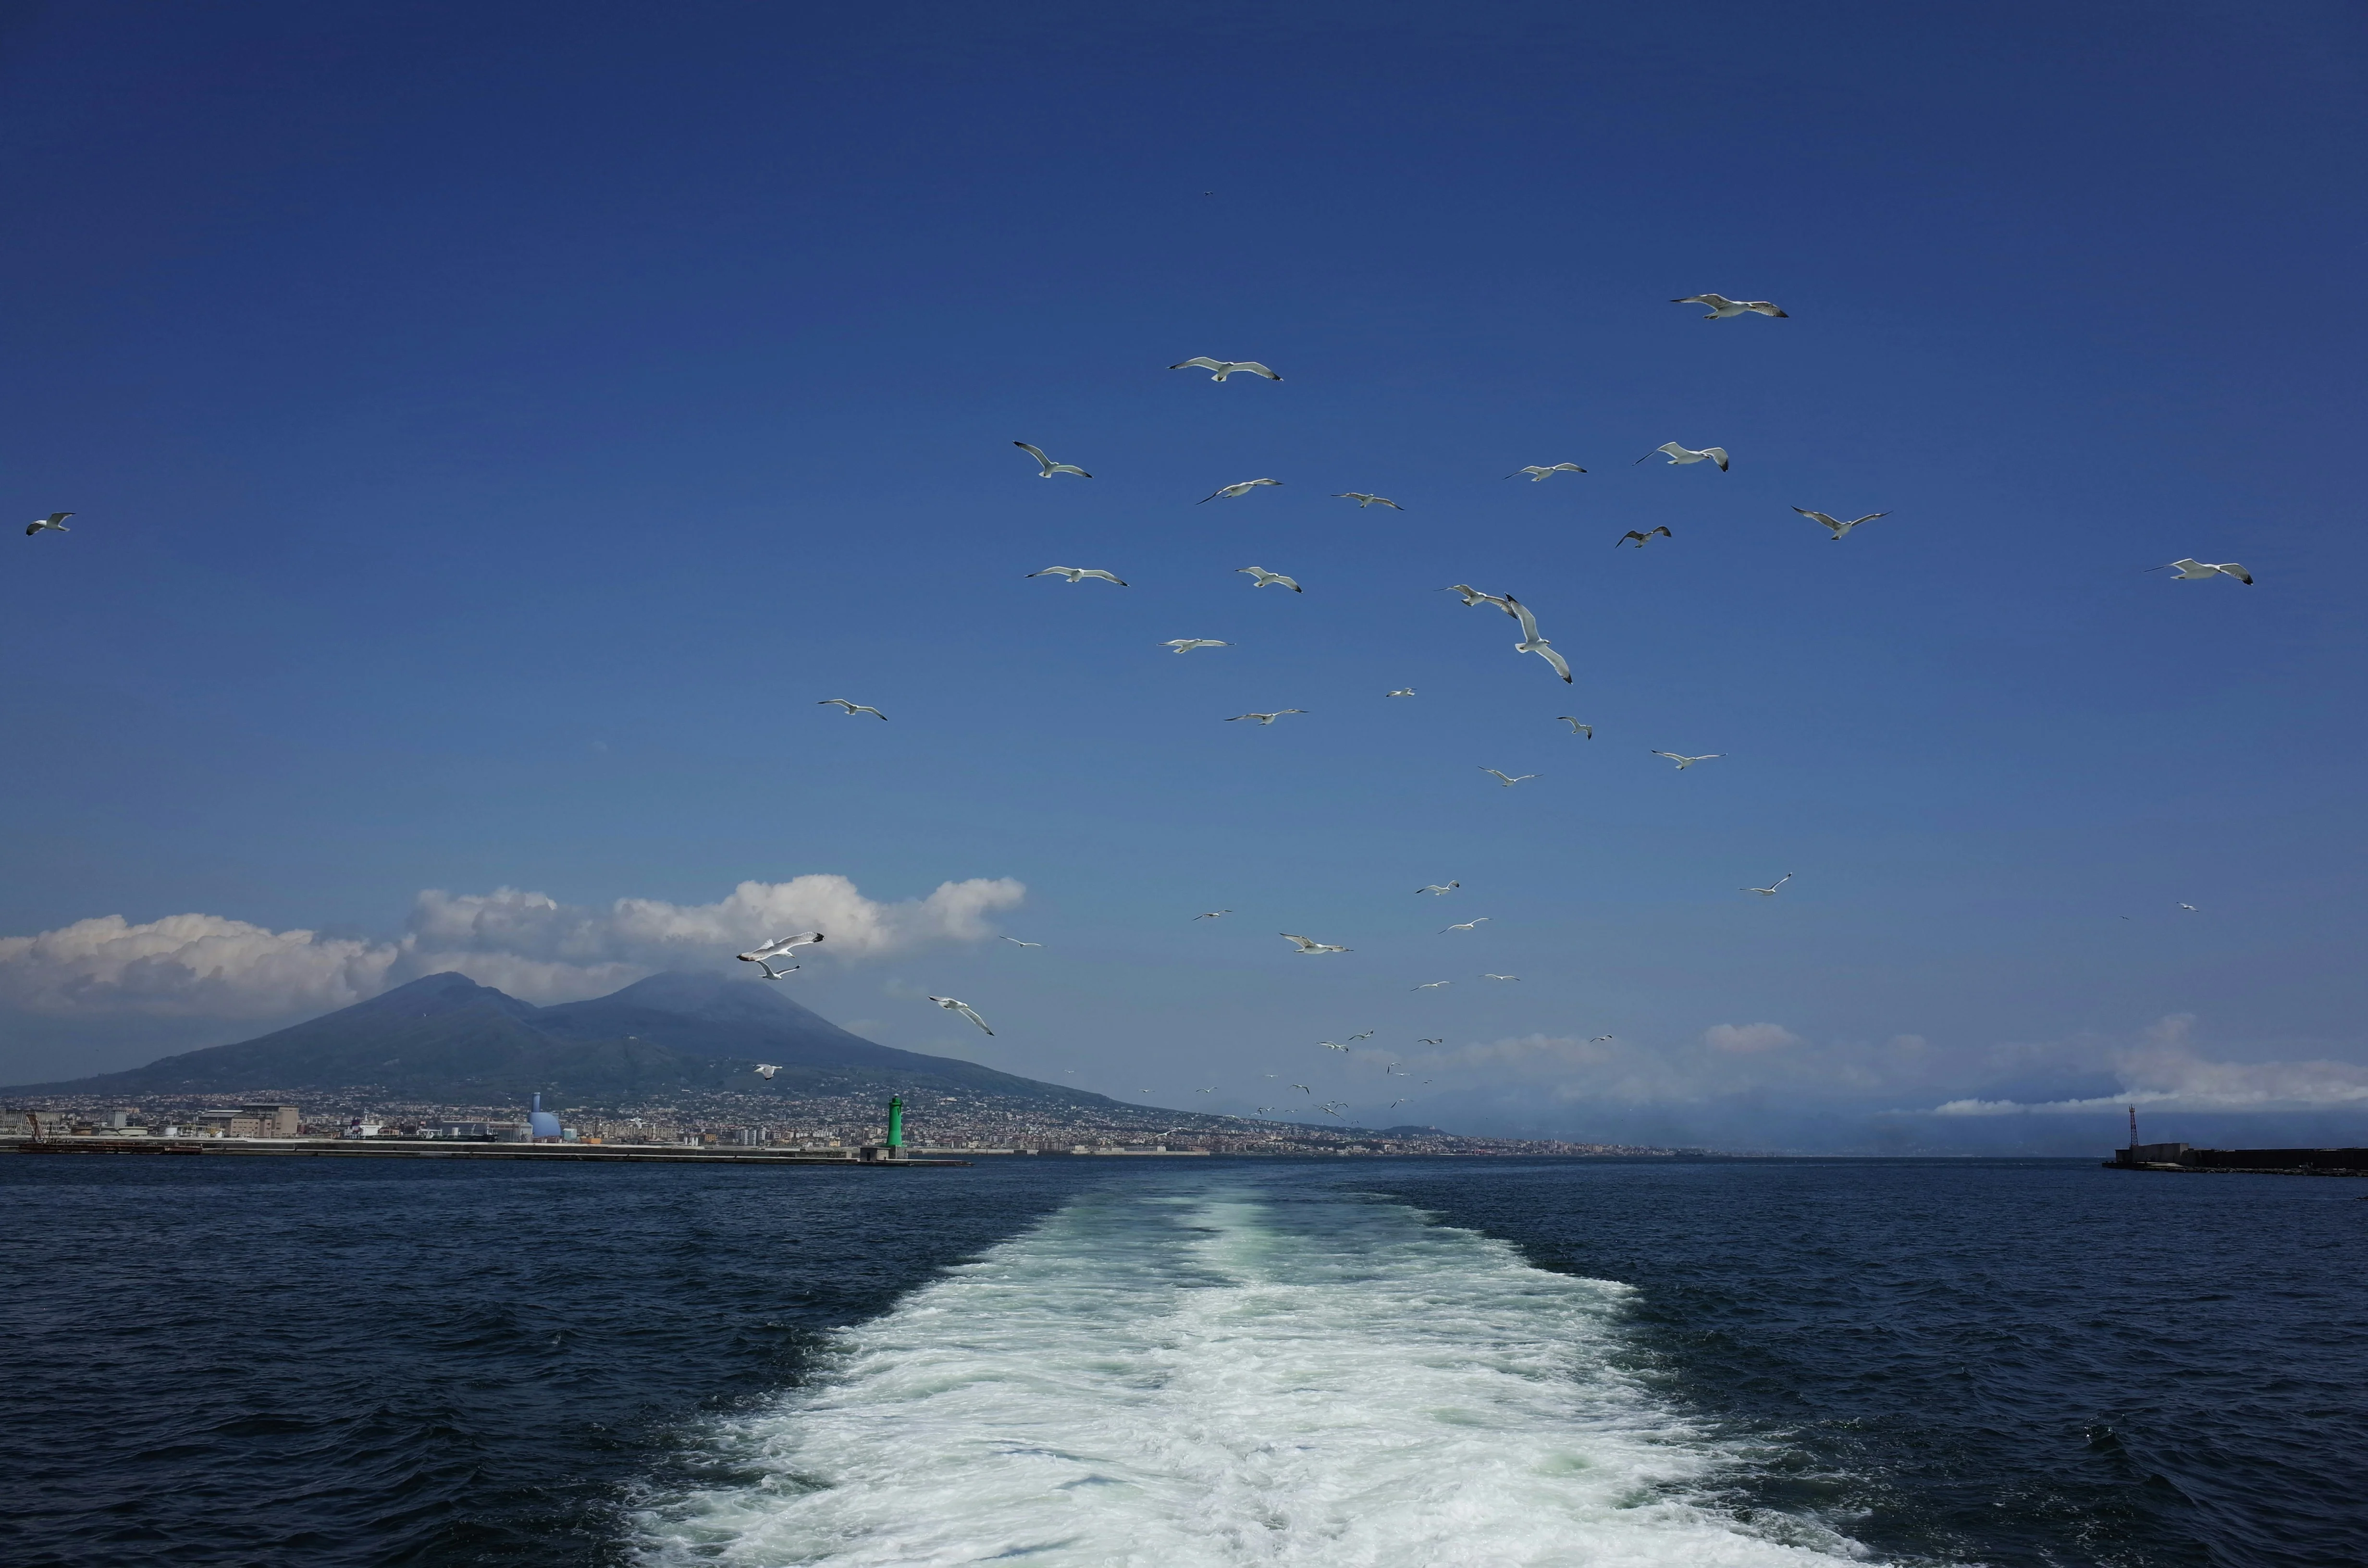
(1084, 1361)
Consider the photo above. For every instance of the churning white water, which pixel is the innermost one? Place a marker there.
(1265, 1376)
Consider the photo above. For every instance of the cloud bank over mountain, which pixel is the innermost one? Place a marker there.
(213, 967)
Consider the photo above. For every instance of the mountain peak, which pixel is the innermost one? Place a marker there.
(703, 994)
(445, 991)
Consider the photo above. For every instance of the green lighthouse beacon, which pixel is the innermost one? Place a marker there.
(896, 1127)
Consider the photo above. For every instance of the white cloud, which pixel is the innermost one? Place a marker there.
(2166, 1072)
(527, 944)
(189, 966)
(1742, 1038)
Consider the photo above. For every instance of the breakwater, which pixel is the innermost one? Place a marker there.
(2241, 1162)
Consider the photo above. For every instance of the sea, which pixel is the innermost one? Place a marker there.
(1180, 1363)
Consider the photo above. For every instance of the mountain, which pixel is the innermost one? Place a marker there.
(445, 1037)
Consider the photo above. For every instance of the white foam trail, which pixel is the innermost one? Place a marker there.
(1277, 1378)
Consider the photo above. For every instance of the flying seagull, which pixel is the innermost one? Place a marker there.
(1433, 984)
(1186, 644)
(1301, 1086)
(1049, 467)
(1329, 1046)
(1539, 473)
(852, 708)
(1685, 762)
(1835, 524)
(1768, 892)
(1500, 977)
(1402, 691)
(1266, 579)
(1598, 1040)
(2191, 571)
(1722, 308)
(1224, 368)
(2191, 909)
(767, 1069)
(1309, 945)
(1018, 943)
(1467, 925)
(1640, 536)
(1575, 727)
(1229, 491)
(1530, 642)
(1682, 454)
(1367, 1035)
(954, 1004)
(1212, 915)
(1473, 595)
(1077, 574)
(779, 946)
(54, 520)
(1365, 498)
(1507, 783)
(772, 973)
(1265, 717)
(1213, 1090)
(1436, 888)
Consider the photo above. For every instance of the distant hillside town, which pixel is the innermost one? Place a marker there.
(668, 1061)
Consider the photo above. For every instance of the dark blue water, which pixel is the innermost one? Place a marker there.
(264, 1361)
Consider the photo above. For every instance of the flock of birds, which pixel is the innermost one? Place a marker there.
(769, 954)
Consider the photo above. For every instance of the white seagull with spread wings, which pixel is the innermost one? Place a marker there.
(1265, 717)
(54, 520)
(1310, 946)
(1768, 892)
(2197, 570)
(1224, 368)
(1682, 454)
(1229, 491)
(764, 953)
(954, 1004)
(1530, 642)
(1049, 468)
(1365, 498)
(1724, 308)
(1684, 762)
(1539, 472)
(1266, 579)
(1077, 574)
(1835, 525)
(1508, 780)
(1186, 644)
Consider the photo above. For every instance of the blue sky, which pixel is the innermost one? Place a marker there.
(490, 439)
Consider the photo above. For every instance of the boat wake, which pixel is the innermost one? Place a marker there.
(1266, 1377)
